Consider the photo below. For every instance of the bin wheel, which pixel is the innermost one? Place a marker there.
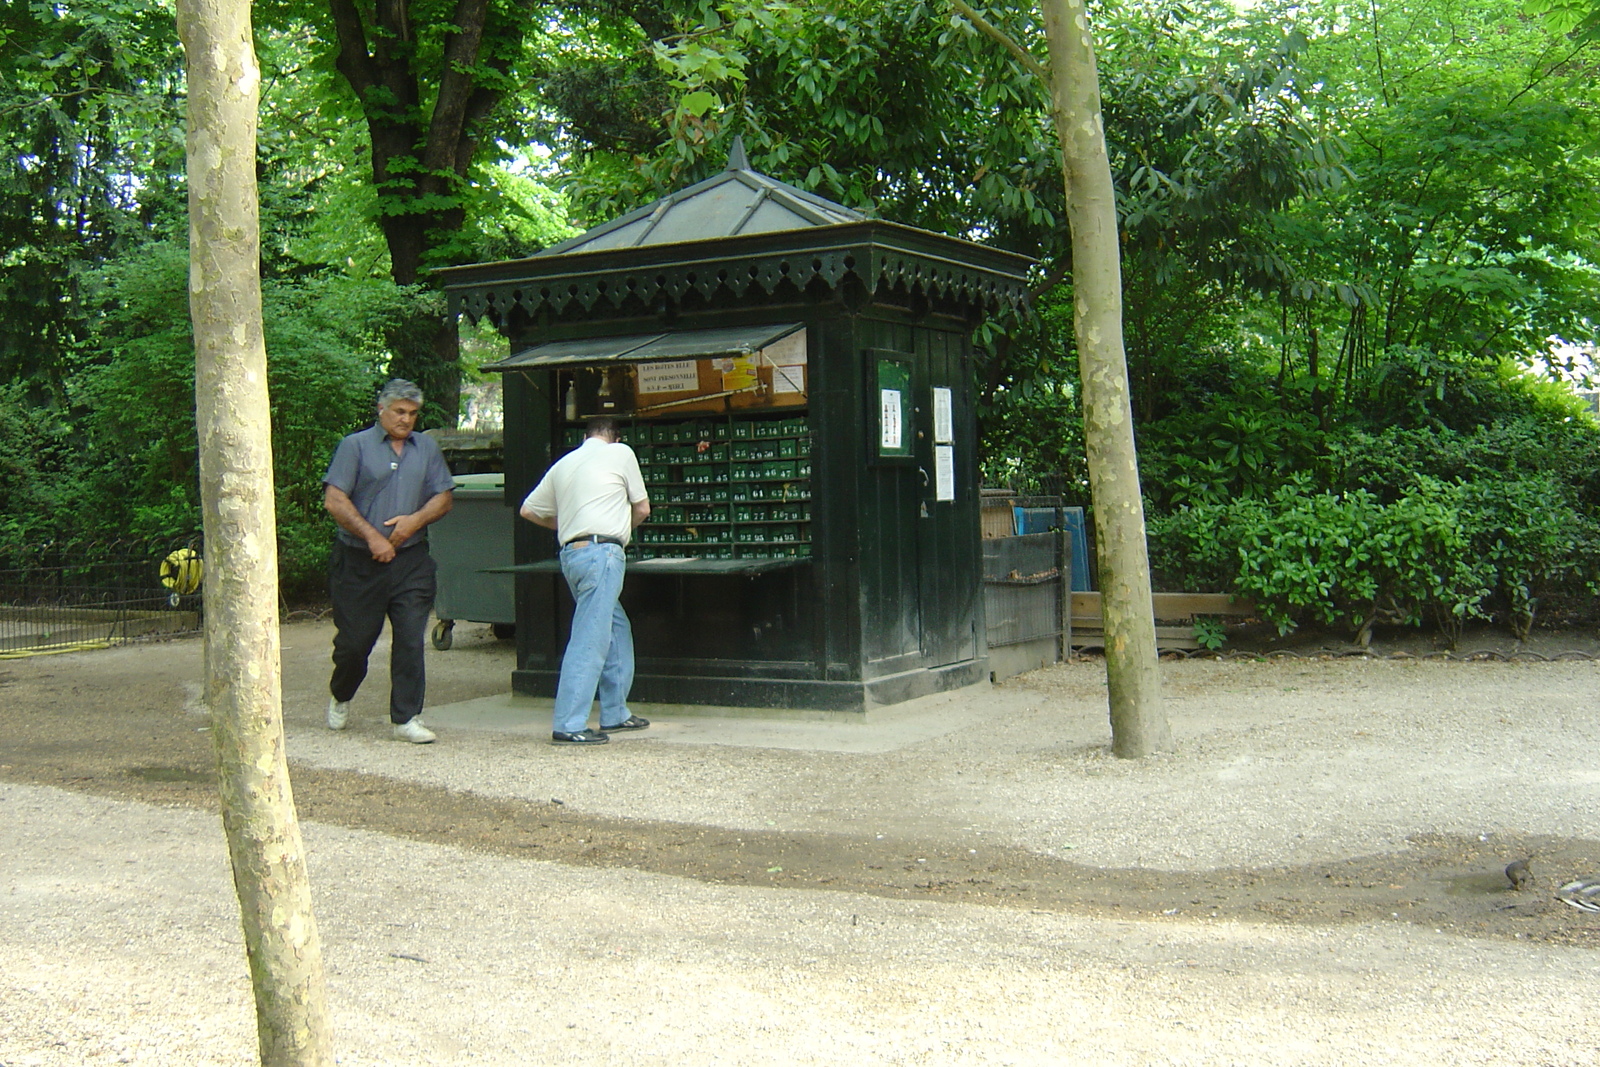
(444, 634)
(503, 631)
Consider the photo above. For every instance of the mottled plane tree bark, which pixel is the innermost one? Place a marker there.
(1138, 720)
(243, 688)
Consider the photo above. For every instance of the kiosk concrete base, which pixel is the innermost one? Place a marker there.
(1008, 661)
(779, 693)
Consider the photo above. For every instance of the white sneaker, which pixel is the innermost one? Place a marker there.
(414, 732)
(338, 713)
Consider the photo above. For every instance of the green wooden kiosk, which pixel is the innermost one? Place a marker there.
(796, 380)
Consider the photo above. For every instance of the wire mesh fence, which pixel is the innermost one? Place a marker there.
(66, 595)
(1024, 590)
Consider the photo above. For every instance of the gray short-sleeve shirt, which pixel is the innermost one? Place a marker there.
(383, 485)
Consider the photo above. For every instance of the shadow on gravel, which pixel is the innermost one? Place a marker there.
(1452, 884)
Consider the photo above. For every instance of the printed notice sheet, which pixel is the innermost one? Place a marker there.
(789, 379)
(944, 429)
(890, 420)
(671, 376)
(944, 472)
(787, 357)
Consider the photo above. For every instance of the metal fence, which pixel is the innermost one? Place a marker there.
(1024, 587)
(67, 595)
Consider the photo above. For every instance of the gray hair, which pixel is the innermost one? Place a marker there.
(398, 389)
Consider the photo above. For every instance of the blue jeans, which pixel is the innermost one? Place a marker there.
(599, 656)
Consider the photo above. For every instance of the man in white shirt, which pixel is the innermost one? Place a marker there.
(593, 497)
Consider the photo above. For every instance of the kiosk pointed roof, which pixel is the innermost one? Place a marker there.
(736, 202)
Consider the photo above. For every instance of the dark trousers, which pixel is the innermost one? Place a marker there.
(364, 593)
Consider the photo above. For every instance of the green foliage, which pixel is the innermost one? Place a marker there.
(1029, 415)
(321, 203)
(1210, 632)
(527, 216)
(1342, 559)
(91, 151)
(1244, 444)
(36, 467)
(137, 470)
(1505, 518)
(1530, 541)
(1580, 18)
(1453, 247)
(1033, 440)
(1506, 450)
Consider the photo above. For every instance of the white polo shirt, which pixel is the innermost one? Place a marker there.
(590, 492)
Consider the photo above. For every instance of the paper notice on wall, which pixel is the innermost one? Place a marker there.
(787, 351)
(787, 358)
(893, 432)
(944, 428)
(738, 372)
(789, 379)
(944, 472)
(670, 376)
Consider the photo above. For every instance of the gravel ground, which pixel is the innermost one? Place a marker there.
(1403, 782)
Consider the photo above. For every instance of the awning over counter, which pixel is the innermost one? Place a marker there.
(640, 347)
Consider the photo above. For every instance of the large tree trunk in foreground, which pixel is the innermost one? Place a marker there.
(241, 555)
(1138, 721)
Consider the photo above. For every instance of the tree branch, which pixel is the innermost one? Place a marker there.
(352, 59)
(1057, 275)
(988, 29)
(456, 84)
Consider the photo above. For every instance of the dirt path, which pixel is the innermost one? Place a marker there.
(132, 732)
(1313, 876)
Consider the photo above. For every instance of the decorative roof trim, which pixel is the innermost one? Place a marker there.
(881, 256)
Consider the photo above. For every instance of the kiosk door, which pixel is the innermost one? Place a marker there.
(948, 590)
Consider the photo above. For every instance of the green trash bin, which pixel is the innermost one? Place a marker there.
(475, 535)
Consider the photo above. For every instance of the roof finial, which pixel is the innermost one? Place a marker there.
(736, 157)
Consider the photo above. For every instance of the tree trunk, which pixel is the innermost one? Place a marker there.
(420, 158)
(241, 551)
(1138, 721)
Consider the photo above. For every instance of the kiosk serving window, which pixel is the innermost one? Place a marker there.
(718, 419)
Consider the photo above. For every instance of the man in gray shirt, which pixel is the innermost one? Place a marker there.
(383, 487)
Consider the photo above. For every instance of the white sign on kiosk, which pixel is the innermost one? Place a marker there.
(893, 433)
(669, 376)
(944, 472)
(944, 427)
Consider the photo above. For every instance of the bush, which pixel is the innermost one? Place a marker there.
(1530, 542)
(1448, 552)
(37, 469)
(1243, 445)
(1341, 559)
(1565, 452)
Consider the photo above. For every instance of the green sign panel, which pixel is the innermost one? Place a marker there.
(894, 408)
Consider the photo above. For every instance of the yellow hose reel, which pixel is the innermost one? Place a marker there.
(182, 572)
